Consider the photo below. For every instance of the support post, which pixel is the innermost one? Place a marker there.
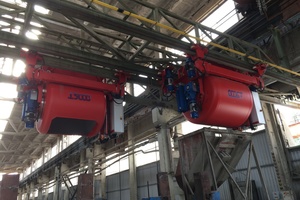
(164, 143)
(160, 118)
(40, 194)
(56, 192)
(100, 191)
(132, 166)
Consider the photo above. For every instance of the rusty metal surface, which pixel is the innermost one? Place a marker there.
(163, 185)
(85, 187)
(203, 186)
(9, 187)
(194, 157)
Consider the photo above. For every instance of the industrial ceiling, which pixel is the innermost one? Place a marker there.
(132, 36)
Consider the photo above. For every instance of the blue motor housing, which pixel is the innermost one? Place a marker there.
(182, 103)
(169, 78)
(190, 68)
(191, 92)
(30, 105)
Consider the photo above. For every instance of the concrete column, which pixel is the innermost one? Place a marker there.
(82, 158)
(28, 191)
(100, 192)
(57, 187)
(160, 119)
(132, 166)
(277, 147)
(165, 162)
(90, 161)
(20, 192)
(40, 194)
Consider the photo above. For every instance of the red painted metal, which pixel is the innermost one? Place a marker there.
(60, 108)
(225, 103)
(216, 70)
(70, 102)
(223, 95)
(41, 74)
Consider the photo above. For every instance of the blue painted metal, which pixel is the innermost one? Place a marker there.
(152, 198)
(215, 195)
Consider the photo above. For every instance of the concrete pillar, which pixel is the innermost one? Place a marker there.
(165, 162)
(100, 192)
(132, 166)
(28, 191)
(160, 118)
(82, 159)
(57, 187)
(90, 161)
(277, 147)
(40, 194)
(20, 193)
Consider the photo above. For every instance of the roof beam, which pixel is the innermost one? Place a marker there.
(54, 49)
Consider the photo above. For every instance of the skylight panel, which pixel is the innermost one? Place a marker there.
(6, 108)
(36, 24)
(138, 89)
(41, 10)
(7, 16)
(19, 68)
(2, 125)
(221, 19)
(8, 90)
(7, 67)
(31, 35)
(36, 32)
(3, 23)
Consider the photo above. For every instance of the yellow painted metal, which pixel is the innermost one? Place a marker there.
(155, 23)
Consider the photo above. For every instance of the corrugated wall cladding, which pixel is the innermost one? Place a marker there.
(118, 187)
(224, 190)
(295, 157)
(295, 165)
(267, 166)
(147, 173)
(262, 150)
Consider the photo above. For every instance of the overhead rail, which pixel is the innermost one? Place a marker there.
(183, 33)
